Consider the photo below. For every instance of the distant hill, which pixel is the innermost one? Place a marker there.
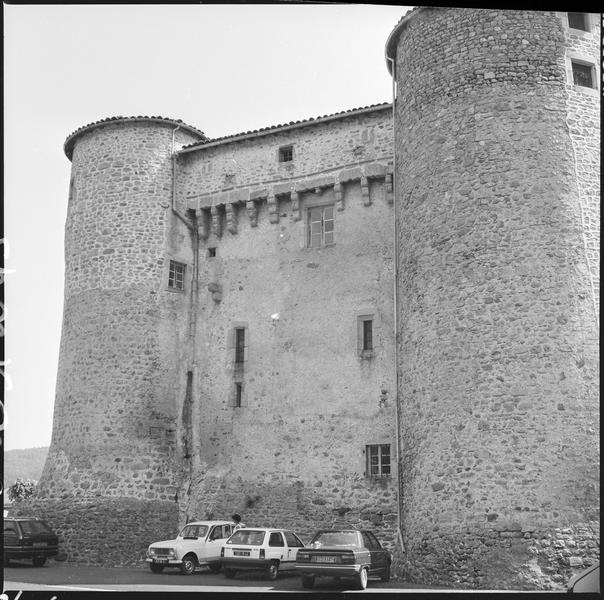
(27, 464)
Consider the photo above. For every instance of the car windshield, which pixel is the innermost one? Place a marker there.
(194, 531)
(335, 538)
(247, 537)
(33, 527)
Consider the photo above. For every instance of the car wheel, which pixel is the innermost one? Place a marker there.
(156, 568)
(308, 581)
(188, 565)
(38, 561)
(230, 573)
(361, 579)
(272, 571)
(215, 567)
(386, 573)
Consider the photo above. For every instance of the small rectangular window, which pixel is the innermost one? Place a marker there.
(211, 252)
(286, 154)
(578, 20)
(583, 74)
(320, 226)
(238, 394)
(176, 276)
(378, 460)
(368, 334)
(239, 345)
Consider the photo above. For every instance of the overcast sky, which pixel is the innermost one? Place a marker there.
(223, 69)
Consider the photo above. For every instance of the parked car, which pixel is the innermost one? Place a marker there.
(587, 580)
(198, 544)
(343, 553)
(260, 549)
(29, 538)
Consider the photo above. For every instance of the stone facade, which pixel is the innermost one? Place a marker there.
(498, 355)
(494, 231)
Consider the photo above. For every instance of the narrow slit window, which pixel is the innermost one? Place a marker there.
(238, 394)
(239, 345)
(176, 276)
(368, 334)
(378, 460)
(211, 252)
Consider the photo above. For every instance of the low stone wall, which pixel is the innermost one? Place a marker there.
(507, 556)
(107, 532)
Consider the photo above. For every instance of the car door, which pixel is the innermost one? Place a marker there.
(378, 560)
(215, 541)
(276, 546)
(293, 544)
(11, 537)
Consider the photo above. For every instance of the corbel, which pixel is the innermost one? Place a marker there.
(252, 212)
(337, 188)
(365, 191)
(231, 219)
(273, 213)
(295, 205)
(202, 226)
(215, 220)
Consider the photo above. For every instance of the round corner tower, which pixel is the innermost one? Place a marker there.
(497, 182)
(114, 430)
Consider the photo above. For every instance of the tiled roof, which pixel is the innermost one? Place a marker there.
(290, 125)
(68, 145)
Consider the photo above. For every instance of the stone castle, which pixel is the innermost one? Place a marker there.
(386, 317)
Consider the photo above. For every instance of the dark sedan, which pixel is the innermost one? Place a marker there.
(343, 553)
(29, 538)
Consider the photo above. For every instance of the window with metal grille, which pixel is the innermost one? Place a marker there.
(211, 252)
(578, 20)
(320, 226)
(239, 345)
(378, 460)
(176, 276)
(286, 154)
(583, 74)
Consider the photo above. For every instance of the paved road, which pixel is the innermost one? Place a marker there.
(65, 577)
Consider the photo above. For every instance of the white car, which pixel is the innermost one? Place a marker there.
(198, 544)
(260, 549)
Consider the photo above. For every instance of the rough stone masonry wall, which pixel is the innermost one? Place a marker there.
(116, 408)
(293, 453)
(498, 338)
(583, 120)
(102, 531)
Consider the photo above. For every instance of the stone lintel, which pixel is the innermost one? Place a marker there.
(279, 189)
(375, 170)
(306, 185)
(259, 194)
(350, 174)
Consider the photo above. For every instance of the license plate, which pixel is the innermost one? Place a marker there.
(160, 560)
(327, 559)
(39, 544)
(240, 553)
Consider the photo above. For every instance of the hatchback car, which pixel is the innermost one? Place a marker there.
(29, 538)
(260, 549)
(198, 544)
(343, 553)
